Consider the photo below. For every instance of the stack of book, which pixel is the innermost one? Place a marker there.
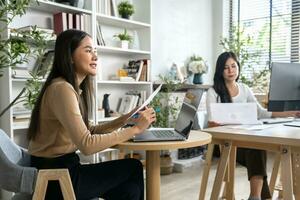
(100, 38)
(107, 7)
(21, 114)
(131, 100)
(139, 70)
(64, 21)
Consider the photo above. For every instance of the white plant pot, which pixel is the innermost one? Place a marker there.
(124, 44)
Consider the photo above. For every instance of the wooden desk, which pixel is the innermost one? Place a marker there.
(282, 139)
(196, 138)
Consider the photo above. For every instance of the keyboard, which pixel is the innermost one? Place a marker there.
(162, 133)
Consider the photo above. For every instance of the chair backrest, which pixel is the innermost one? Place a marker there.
(15, 173)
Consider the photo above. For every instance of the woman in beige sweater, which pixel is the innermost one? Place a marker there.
(59, 126)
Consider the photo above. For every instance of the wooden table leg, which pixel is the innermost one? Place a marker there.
(206, 169)
(153, 175)
(221, 171)
(274, 174)
(231, 174)
(286, 173)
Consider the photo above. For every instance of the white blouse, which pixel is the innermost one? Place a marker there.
(244, 95)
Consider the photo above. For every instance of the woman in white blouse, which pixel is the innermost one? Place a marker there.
(226, 89)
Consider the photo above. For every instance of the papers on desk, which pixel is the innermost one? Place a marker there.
(252, 127)
(234, 113)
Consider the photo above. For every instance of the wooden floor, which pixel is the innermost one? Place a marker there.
(185, 186)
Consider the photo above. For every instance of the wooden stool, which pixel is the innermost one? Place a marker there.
(61, 175)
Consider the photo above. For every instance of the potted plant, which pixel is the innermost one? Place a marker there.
(16, 49)
(198, 67)
(125, 39)
(125, 9)
(166, 106)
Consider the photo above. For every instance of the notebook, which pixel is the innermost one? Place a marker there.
(183, 125)
(234, 113)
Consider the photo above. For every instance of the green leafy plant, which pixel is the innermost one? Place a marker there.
(166, 112)
(124, 36)
(125, 9)
(240, 44)
(17, 47)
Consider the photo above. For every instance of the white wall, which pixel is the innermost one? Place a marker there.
(181, 28)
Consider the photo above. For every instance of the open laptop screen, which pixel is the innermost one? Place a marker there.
(185, 119)
(188, 111)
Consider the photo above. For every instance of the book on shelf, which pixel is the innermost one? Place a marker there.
(107, 7)
(31, 28)
(87, 23)
(20, 73)
(82, 24)
(21, 116)
(145, 74)
(128, 103)
(48, 34)
(114, 11)
(139, 73)
(100, 39)
(43, 68)
(76, 21)
(70, 20)
(60, 22)
(21, 123)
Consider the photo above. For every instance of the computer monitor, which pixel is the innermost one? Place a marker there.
(284, 93)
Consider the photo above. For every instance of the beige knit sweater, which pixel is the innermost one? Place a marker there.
(62, 129)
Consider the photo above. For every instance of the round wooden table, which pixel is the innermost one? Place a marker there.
(196, 138)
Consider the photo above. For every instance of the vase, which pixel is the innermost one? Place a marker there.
(198, 78)
(124, 44)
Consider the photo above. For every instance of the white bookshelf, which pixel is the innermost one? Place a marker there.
(117, 50)
(53, 7)
(110, 57)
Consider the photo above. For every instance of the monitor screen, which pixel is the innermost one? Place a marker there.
(284, 91)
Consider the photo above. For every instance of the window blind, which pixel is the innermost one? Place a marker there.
(273, 26)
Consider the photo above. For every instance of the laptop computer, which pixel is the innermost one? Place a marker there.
(184, 122)
(234, 113)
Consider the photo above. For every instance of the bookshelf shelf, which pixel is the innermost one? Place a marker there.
(53, 7)
(125, 83)
(119, 22)
(24, 80)
(117, 50)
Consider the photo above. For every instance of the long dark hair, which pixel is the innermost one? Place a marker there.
(219, 82)
(65, 45)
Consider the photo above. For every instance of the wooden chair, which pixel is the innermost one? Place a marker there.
(28, 182)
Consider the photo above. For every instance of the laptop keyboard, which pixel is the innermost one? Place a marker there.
(163, 134)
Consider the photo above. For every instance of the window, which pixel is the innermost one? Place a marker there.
(273, 26)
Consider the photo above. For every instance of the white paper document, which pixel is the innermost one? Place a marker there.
(148, 100)
(234, 113)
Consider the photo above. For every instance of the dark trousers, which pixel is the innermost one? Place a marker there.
(118, 179)
(256, 163)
